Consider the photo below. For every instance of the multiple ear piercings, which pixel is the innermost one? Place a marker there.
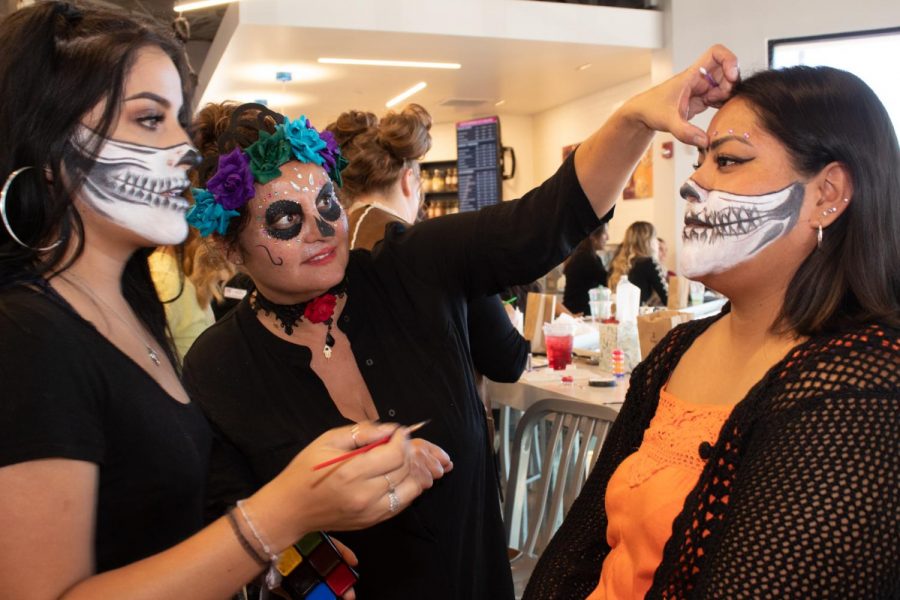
(828, 211)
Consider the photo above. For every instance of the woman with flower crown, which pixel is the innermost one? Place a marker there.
(331, 337)
(103, 456)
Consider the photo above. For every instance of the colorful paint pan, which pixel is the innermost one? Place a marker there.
(313, 569)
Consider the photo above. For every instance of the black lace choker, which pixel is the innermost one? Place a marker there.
(318, 310)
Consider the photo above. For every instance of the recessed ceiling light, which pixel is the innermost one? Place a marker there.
(404, 95)
(499, 102)
(186, 6)
(389, 63)
(584, 67)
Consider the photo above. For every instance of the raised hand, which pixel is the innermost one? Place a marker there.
(670, 105)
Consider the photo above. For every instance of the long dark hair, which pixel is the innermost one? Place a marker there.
(57, 62)
(824, 115)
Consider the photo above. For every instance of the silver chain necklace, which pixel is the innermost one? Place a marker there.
(78, 282)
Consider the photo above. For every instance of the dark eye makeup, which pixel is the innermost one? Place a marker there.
(327, 203)
(284, 219)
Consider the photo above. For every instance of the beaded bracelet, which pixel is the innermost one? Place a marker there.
(259, 538)
(245, 543)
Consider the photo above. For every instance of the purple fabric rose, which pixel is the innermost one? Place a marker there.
(331, 151)
(232, 185)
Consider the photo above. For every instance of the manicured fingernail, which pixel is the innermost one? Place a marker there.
(700, 141)
(734, 72)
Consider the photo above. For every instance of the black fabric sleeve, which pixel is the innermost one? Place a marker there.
(498, 351)
(51, 398)
(815, 512)
(479, 253)
(647, 275)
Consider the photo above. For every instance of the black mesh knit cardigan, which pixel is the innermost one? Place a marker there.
(800, 496)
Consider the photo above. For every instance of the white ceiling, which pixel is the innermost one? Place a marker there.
(530, 76)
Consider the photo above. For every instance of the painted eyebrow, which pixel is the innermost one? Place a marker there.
(325, 190)
(150, 96)
(728, 138)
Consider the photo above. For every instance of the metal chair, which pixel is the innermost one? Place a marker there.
(556, 445)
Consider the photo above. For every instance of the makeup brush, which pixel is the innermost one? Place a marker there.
(363, 449)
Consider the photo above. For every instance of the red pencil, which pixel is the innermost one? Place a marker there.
(366, 448)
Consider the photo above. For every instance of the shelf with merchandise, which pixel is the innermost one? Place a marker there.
(439, 177)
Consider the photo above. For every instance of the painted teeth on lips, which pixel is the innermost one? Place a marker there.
(694, 221)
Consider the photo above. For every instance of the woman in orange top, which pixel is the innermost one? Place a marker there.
(758, 452)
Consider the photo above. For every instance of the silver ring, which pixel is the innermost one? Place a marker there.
(354, 431)
(391, 487)
(393, 501)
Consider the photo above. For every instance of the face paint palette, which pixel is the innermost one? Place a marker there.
(314, 569)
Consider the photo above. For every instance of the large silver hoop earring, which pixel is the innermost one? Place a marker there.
(9, 229)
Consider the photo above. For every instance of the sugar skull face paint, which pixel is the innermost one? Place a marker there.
(138, 187)
(722, 229)
(284, 218)
(296, 241)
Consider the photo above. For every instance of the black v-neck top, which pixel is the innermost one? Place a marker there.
(70, 393)
(405, 318)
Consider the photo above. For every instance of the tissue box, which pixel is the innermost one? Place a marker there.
(623, 336)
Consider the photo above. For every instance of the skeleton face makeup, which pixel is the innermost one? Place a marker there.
(295, 245)
(722, 230)
(139, 187)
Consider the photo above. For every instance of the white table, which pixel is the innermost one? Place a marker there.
(543, 383)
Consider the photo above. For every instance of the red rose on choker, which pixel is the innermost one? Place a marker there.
(320, 309)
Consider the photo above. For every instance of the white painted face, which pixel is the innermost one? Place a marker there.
(139, 187)
(722, 229)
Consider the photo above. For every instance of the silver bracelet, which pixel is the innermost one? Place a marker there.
(256, 534)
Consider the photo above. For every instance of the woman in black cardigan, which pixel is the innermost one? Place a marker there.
(793, 214)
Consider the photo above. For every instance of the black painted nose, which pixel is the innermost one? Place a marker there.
(688, 192)
(191, 158)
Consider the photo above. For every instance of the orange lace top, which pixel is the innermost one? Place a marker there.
(648, 491)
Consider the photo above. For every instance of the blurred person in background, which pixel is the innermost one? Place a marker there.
(637, 258)
(584, 271)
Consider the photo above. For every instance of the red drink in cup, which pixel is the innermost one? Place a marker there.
(558, 341)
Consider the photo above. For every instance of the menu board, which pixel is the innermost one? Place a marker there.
(478, 158)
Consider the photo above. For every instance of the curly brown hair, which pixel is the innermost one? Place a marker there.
(379, 149)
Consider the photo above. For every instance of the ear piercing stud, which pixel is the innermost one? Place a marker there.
(846, 200)
(830, 211)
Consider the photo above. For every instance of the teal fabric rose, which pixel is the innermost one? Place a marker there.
(207, 215)
(267, 154)
(306, 143)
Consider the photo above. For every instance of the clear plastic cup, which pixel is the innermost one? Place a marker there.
(558, 339)
(596, 307)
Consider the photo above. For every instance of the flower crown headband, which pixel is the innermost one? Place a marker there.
(232, 185)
